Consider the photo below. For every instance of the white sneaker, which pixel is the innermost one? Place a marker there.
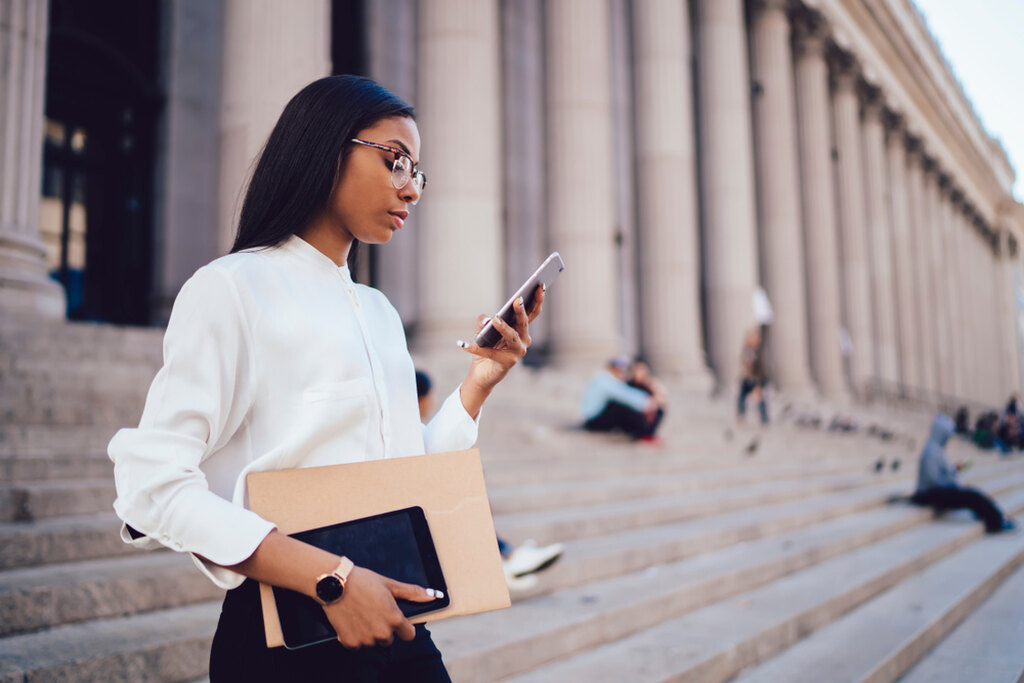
(520, 583)
(528, 558)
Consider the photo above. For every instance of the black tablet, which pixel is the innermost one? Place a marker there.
(394, 544)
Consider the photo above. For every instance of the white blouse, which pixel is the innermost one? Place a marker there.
(273, 359)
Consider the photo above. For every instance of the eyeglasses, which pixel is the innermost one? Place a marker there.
(402, 170)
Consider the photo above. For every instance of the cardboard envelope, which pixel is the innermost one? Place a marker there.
(448, 486)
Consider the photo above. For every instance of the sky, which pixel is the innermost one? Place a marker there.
(983, 40)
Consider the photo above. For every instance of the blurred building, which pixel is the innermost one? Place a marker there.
(679, 154)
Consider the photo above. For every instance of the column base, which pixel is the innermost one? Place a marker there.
(25, 287)
(801, 393)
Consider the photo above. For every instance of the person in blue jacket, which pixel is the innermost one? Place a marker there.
(611, 404)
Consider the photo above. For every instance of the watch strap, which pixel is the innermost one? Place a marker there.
(344, 569)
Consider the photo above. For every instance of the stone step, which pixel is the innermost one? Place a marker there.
(714, 643)
(169, 645)
(985, 647)
(788, 555)
(40, 498)
(62, 539)
(625, 459)
(490, 646)
(550, 495)
(43, 499)
(44, 597)
(82, 340)
(611, 555)
(595, 520)
(69, 539)
(95, 465)
(84, 409)
(893, 630)
(45, 485)
(51, 440)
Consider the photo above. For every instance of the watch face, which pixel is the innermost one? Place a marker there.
(329, 589)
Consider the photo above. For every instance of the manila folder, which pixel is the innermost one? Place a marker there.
(448, 486)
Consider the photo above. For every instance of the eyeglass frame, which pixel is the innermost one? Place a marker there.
(398, 153)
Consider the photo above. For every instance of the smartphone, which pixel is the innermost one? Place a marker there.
(544, 275)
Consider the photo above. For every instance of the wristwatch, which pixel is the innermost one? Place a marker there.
(330, 587)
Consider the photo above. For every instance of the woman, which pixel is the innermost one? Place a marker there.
(274, 359)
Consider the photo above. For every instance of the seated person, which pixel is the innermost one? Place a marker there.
(641, 377)
(1013, 405)
(610, 404)
(985, 430)
(937, 484)
(963, 421)
(1008, 433)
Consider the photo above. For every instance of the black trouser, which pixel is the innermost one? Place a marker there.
(240, 652)
(746, 387)
(619, 416)
(957, 498)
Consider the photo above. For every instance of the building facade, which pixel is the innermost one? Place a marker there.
(680, 154)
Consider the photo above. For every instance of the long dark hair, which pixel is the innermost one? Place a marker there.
(304, 155)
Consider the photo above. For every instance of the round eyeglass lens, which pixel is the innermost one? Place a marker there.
(401, 172)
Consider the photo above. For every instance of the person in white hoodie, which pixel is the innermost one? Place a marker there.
(938, 486)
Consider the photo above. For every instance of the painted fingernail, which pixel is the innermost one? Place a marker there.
(438, 594)
(520, 301)
(543, 288)
(430, 592)
(461, 344)
(486, 320)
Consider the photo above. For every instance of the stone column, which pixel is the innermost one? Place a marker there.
(954, 284)
(934, 300)
(459, 116)
(581, 209)
(850, 199)
(994, 347)
(977, 331)
(1005, 281)
(624, 175)
(392, 47)
(727, 182)
(922, 315)
(880, 243)
(899, 213)
(821, 252)
(186, 207)
(961, 297)
(988, 326)
(666, 167)
(25, 286)
(270, 51)
(977, 303)
(778, 195)
(522, 41)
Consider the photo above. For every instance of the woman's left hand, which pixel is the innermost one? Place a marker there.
(490, 365)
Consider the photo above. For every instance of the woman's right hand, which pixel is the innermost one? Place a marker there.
(367, 614)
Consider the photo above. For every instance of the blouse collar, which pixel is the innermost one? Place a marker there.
(313, 256)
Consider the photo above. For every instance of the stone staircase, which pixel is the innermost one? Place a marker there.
(726, 553)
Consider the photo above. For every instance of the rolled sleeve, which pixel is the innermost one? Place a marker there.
(452, 428)
(198, 400)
